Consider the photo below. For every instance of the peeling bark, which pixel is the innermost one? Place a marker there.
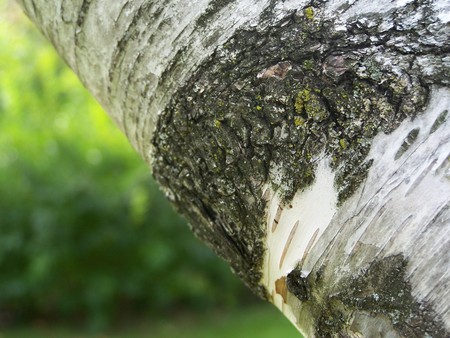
(306, 142)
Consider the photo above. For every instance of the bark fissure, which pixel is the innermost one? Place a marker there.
(84, 9)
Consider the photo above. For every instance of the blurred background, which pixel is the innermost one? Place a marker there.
(88, 244)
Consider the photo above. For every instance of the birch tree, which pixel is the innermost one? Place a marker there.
(307, 142)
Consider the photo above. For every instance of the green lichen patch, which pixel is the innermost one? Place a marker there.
(303, 96)
(308, 102)
(343, 143)
(309, 13)
(299, 121)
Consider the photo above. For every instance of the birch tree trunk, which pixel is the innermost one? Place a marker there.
(306, 142)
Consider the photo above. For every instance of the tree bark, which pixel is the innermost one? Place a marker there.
(306, 142)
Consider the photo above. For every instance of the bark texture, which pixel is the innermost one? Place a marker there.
(306, 142)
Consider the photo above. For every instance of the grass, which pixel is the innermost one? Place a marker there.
(258, 322)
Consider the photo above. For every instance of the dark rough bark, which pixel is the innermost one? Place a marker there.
(288, 93)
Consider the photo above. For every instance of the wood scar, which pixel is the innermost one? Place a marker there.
(309, 246)
(281, 288)
(288, 243)
(277, 218)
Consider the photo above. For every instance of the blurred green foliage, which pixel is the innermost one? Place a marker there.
(84, 232)
(252, 322)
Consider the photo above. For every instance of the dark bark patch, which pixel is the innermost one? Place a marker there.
(408, 141)
(214, 7)
(439, 121)
(381, 291)
(84, 9)
(298, 285)
(228, 131)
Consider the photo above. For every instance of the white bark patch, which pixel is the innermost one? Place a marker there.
(294, 228)
(443, 10)
(357, 8)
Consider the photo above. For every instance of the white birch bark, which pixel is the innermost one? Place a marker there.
(257, 117)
